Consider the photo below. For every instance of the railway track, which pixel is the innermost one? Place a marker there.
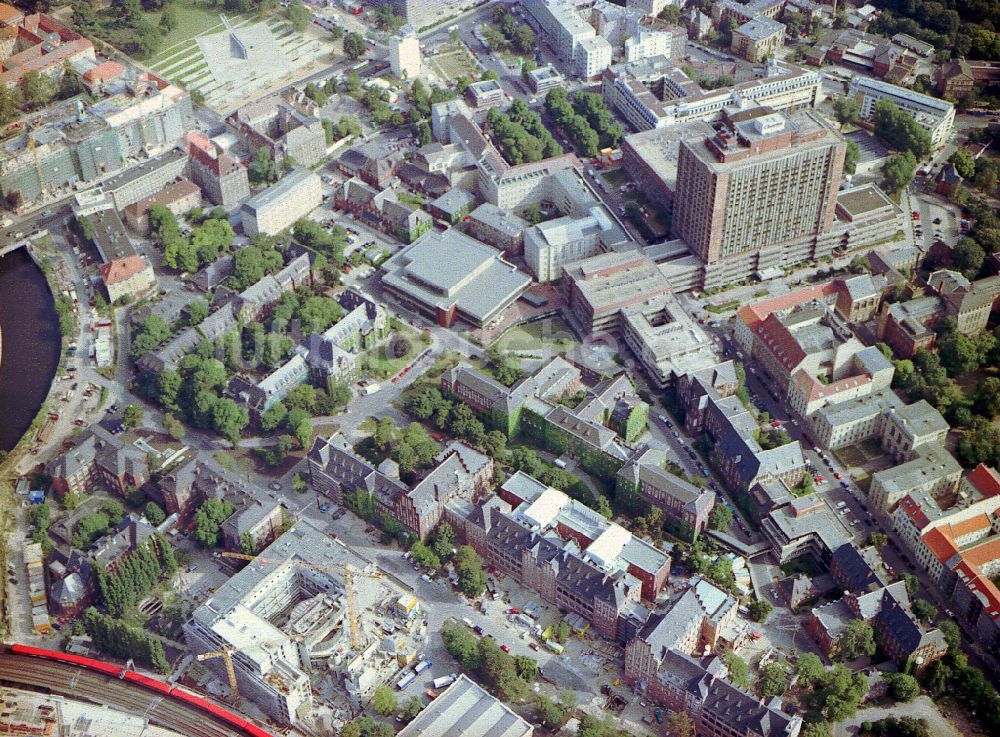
(97, 688)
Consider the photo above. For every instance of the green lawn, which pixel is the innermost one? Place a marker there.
(724, 307)
(194, 18)
(616, 177)
(455, 62)
(381, 361)
(552, 333)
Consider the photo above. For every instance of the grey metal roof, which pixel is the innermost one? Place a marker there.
(466, 710)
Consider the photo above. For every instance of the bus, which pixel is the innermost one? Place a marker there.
(421, 666)
(405, 681)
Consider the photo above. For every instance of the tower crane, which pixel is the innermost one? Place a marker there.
(345, 572)
(226, 654)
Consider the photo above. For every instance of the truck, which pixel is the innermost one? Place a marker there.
(421, 666)
(554, 646)
(370, 389)
(405, 681)
(444, 681)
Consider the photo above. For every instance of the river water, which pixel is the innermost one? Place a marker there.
(29, 344)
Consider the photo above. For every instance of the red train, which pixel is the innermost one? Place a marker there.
(146, 682)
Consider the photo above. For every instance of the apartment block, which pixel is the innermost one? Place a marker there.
(683, 503)
(281, 129)
(806, 525)
(550, 245)
(98, 458)
(497, 227)
(273, 613)
(146, 179)
(280, 205)
(931, 473)
(698, 686)
(667, 341)
(653, 94)
(935, 116)
(222, 178)
(592, 56)
(567, 553)
(404, 54)
(68, 147)
(460, 473)
(887, 610)
(758, 39)
(762, 181)
(597, 289)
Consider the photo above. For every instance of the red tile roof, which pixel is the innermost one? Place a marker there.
(104, 71)
(9, 14)
(973, 524)
(985, 480)
(753, 315)
(121, 269)
(780, 342)
(914, 511)
(980, 555)
(940, 543)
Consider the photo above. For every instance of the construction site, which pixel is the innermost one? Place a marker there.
(306, 631)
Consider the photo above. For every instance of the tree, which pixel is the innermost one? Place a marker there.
(197, 311)
(852, 156)
(561, 631)
(902, 687)
(816, 729)
(471, 576)
(846, 110)
(550, 713)
(262, 169)
(759, 610)
(899, 130)
(897, 173)
(89, 529)
(772, 680)
(37, 89)
(679, 723)
(809, 668)
(739, 671)
(857, 639)
(354, 45)
(721, 517)
(133, 416)
(298, 16)
(229, 419)
(10, 99)
(911, 582)
(154, 513)
(151, 331)
(968, 257)
(952, 634)
(958, 353)
(924, 610)
(443, 541)
(168, 19)
(208, 519)
(424, 556)
(527, 668)
(384, 700)
(963, 162)
(70, 84)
